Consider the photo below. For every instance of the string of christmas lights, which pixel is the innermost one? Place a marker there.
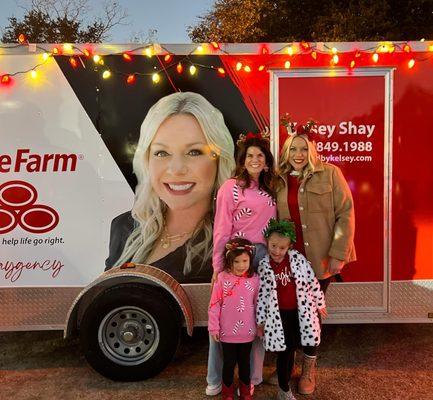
(289, 53)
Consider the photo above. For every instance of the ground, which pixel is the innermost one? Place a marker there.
(356, 362)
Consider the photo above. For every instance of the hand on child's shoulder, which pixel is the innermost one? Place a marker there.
(260, 330)
(323, 312)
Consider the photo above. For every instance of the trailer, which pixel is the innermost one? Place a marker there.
(70, 118)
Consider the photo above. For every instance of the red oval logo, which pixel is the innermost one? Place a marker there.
(8, 221)
(17, 194)
(38, 219)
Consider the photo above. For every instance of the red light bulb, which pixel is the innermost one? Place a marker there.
(131, 79)
(73, 62)
(5, 79)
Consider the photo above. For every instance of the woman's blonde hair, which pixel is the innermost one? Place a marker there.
(149, 210)
(284, 164)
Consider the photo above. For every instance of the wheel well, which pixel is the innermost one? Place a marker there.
(91, 293)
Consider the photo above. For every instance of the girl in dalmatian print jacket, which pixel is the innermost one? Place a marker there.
(289, 302)
(232, 314)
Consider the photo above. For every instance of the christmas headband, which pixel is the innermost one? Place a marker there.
(306, 129)
(244, 137)
(237, 246)
(283, 227)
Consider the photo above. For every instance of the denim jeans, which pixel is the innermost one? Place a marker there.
(215, 362)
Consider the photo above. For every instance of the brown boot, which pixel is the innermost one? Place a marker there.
(307, 382)
(228, 392)
(244, 391)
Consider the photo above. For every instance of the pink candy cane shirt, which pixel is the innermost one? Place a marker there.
(240, 213)
(232, 309)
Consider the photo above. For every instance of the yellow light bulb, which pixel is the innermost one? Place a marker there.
(411, 63)
(335, 59)
(106, 74)
(290, 50)
(33, 74)
(334, 50)
(287, 64)
(430, 48)
(156, 78)
(45, 56)
(200, 49)
(247, 68)
(375, 57)
(96, 59)
(67, 48)
(148, 51)
(261, 68)
(192, 69)
(238, 66)
(352, 64)
(221, 71)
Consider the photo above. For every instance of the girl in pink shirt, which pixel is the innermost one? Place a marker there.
(232, 313)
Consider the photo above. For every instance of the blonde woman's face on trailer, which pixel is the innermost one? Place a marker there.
(255, 161)
(181, 166)
(298, 153)
(241, 264)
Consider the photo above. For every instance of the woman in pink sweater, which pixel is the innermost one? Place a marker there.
(244, 206)
(232, 313)
(246, 202)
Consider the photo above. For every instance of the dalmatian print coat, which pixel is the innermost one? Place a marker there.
(310, 299)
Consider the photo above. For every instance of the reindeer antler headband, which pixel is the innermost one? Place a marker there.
(299, 129)
(244, 137)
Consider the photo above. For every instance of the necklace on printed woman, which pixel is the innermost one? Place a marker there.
(166, 239)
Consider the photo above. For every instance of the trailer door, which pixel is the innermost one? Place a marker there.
(354, 114)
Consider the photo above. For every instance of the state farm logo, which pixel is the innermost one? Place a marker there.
(18, 207)
(26, 161)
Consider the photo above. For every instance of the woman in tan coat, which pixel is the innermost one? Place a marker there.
(317, 198)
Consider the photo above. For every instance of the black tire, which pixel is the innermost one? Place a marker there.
(130, 332)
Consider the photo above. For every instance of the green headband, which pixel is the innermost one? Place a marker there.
(284, 228)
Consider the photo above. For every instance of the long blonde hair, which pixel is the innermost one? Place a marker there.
(149, 210)
(284, 164)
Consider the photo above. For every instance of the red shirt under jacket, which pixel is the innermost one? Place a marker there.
(286, 286)
(293, 184)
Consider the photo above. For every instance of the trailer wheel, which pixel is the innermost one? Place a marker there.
(130, 332)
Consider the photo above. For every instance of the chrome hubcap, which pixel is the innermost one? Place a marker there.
(128, 335)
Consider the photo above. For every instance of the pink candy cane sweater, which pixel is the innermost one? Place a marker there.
(244, 213)
(232, 309)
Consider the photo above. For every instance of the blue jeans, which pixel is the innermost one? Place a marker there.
(215, 362)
